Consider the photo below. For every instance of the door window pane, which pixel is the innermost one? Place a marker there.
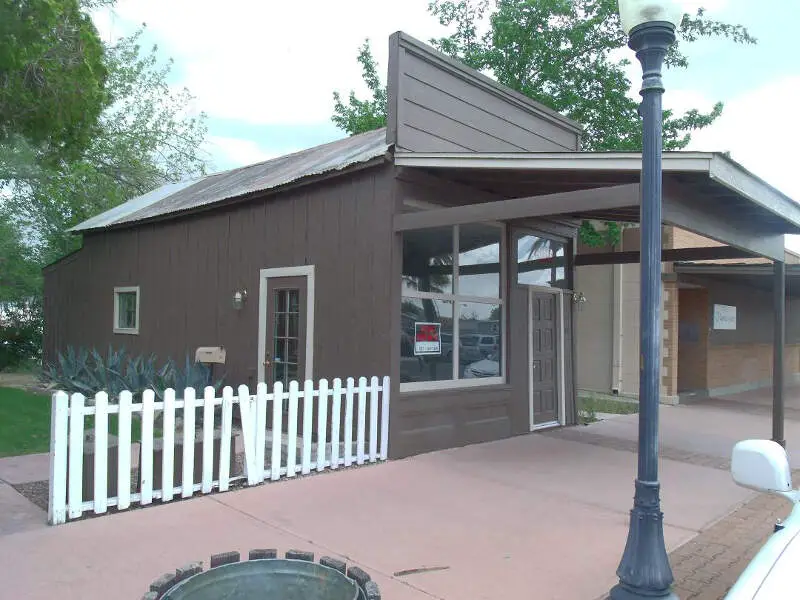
(437, 367)
(541, 261)
(286, 340)
(481, 347)
(479, 261)
(428, 260)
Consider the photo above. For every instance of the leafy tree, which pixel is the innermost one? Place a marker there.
(562, 54)
(359, 116)
(144, 139)
(52, 77)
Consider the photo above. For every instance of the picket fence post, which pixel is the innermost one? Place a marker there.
(101, 453)
(57, 501)
(208, 439)
(75, 469)
(336, 407)
(225, 439)
(146, 452)
(362, 419)
(374, 398)
(348, 423)
(261, 429)
(124, 451)
(322, 423)
(308, 423)
(385, 419)
(168, 446)
(277, 433)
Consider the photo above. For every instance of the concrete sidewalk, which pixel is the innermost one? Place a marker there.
(534, 515)
(543, 515)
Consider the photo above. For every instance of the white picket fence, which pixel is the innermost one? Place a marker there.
(352, 428)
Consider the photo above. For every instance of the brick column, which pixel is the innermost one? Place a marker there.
(669, 343)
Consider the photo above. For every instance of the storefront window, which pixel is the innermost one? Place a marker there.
(451, 327)
(541, 261)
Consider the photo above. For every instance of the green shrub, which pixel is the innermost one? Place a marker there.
(20, 333)
(81, 371)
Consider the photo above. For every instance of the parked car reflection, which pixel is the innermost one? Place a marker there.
(488, 367)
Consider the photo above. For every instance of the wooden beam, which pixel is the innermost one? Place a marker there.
(563, 203)
(667, 255)
(691, 211)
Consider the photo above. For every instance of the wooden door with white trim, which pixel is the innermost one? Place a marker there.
(285, 358)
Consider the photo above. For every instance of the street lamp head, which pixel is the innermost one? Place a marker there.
(639, 12)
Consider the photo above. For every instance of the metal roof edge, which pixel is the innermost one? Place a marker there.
(307, 180)
(734, 176)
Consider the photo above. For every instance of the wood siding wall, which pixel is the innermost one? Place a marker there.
(439, 105)
(189, 268)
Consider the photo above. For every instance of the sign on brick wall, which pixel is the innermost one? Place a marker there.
(724, 316)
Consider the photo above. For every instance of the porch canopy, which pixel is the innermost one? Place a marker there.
(706, 193)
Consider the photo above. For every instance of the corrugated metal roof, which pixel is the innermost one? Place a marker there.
(187, 195)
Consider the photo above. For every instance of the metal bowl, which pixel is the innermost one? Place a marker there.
(267, 579)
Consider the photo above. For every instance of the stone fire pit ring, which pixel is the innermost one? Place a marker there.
(264, 576)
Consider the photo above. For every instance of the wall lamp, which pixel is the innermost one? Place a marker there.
(239, 297)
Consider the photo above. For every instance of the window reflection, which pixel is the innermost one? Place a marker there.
(479, 261)
(436, 367)
(481, 344)
(428, 260)
(541, 261)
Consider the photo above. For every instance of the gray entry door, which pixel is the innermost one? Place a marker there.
(285, 358)
(544, 357)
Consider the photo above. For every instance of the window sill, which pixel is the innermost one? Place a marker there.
(127, 331)
(445, 386)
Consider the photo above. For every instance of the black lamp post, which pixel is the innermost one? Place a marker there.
(644, 570)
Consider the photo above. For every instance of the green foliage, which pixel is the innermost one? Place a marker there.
(561, 53)
(20, 276)
(20, 333)
(146, 138)
(52, 75)
(591, 236)
(360, 116)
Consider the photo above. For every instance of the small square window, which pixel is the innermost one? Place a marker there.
(126, 310)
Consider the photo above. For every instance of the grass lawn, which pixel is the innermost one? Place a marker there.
(25, 423)
(589, 406)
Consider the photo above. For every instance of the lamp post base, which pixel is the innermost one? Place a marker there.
(620, 592)
(644, 571)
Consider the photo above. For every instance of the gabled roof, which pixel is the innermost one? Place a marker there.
(212, 189)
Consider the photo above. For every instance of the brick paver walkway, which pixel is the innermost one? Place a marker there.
(706, 567)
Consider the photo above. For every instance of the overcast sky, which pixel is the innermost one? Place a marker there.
(264, 72)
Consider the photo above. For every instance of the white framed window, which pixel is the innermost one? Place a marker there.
(454, 277)
(126, 309)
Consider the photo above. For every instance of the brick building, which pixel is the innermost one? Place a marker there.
(699, 357)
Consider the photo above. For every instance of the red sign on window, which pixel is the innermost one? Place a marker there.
(427, 339)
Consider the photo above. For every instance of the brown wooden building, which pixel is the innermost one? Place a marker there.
(462, 212)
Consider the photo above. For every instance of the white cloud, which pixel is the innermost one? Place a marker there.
(270, 62)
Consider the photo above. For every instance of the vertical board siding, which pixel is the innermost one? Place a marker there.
(188, 268)
(261, 413)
